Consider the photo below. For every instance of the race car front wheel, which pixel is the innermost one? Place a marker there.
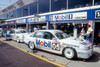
(31, 45)
(70, 53)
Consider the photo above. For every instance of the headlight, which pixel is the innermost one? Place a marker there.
(85, 48)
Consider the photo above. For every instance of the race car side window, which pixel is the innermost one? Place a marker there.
(38, 34)
(48, 35)
(12, 32)
(31, 35)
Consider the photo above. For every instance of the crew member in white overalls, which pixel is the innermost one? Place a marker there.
(75, 32)
(82, 33)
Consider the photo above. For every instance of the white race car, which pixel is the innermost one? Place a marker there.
(59, 42)
(1, 32)
(18, 34)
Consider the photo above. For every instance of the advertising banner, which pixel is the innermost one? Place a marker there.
(97, 14)
(37, 19)
(11, 22)
(21, 21)
(68, 16)
(30, 20)
(40, 19)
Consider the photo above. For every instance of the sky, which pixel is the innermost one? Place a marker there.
(5, 3)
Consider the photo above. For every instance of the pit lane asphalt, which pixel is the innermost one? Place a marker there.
(93, 61)
(13, 57)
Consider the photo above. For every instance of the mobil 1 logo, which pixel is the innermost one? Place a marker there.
(97, 14)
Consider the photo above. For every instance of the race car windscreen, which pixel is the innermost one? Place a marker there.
(62, 35)
(22, 31)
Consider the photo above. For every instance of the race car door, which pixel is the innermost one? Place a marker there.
(47, 43)
(38, 39)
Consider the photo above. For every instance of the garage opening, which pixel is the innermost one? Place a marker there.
(22, 26)
(39, 26)
(97, 33)
(69, 27)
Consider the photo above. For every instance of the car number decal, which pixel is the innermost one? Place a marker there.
(53, 45)
(56, 45)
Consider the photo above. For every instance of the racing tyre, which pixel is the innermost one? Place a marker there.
(31, 45)
(70, 53)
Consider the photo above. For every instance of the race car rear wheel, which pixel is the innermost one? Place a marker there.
(70, 53)
(31, 45)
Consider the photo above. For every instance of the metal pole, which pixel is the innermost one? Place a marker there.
(54, 25)
(37, 6)
(22, 12)
(16, 13)
(67, 4)
(92, 2)
(28, 9)
(93, 26)
(49, 5)
(27, 27)
(48, 25)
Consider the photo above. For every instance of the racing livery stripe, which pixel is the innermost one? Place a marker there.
(48, 50)
(45, 49)
(80, 57)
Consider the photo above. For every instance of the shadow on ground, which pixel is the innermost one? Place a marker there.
(94, 58)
